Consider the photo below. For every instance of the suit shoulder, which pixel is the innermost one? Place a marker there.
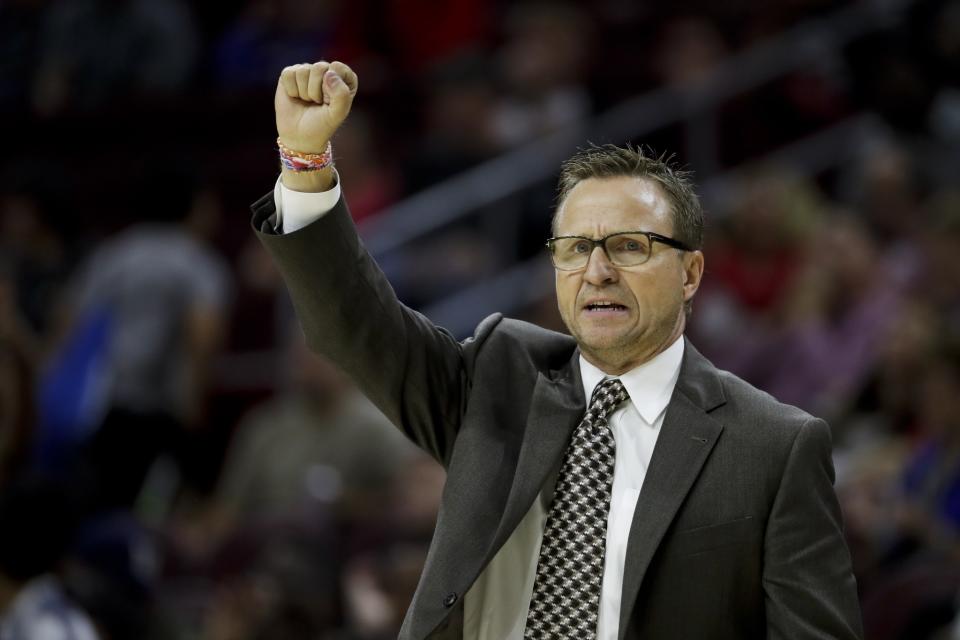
(762, 432)
(757, 407)
(509, 340)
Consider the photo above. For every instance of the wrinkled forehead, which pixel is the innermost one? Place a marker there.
(599, 206)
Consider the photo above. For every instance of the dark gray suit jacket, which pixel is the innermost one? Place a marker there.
(737, 532)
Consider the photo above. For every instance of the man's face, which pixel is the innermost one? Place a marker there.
(648, 314)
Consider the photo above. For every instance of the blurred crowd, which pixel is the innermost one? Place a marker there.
(174, 463)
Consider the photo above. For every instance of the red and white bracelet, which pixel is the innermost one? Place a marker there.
(297, 161)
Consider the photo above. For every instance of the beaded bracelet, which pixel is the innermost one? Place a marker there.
(297, 161)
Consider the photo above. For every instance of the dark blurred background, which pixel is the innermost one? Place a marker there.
(175, 464)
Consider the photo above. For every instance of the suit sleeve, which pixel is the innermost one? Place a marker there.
(810, 590)
(415, 372)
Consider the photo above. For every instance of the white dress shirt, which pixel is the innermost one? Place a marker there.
(495, 607)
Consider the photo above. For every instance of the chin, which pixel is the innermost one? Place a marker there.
(600, 343)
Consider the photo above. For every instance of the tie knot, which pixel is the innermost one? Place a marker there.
(609, 393)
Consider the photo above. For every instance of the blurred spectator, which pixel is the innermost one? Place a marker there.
(35, 252)
(95, 51)
(384, 570)
(414, 498)
(150, 303)
(379, 587)
(940, 248)
(42, 609)
(886, 404)
(317, 444)
(908, 545)
(38, 522)
(885, 189)
(755, 254)
(277, 582)
(688, 51)
(267, 36)
(410, 37)
(839, 310)
(317, 449)
(111, 570)
(542, 64)
(459, 132)
(760, 247)
(932, 479)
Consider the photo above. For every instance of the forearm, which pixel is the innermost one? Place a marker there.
(349, 313)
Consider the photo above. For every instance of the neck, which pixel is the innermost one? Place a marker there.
(618, 363)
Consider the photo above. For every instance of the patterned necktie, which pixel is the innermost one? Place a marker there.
(566, 591)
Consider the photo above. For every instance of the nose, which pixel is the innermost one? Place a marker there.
(599, 271)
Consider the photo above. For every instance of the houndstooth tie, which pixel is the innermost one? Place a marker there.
(566, 591)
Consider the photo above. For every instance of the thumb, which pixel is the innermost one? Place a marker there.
(339, 94)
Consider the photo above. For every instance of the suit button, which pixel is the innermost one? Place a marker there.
(450, 599)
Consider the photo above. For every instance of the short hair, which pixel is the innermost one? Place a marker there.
(611, 161)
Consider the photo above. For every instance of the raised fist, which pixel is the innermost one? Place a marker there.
(311, 102)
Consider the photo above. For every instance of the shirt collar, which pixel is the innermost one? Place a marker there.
(650, 385)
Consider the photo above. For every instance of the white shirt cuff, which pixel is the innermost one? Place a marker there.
(296, 209)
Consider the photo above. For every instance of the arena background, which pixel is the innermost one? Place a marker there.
(175, 465)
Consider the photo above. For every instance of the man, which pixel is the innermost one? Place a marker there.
(149, 309)
(682, 504)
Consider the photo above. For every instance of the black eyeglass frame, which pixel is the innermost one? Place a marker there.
(651, 238)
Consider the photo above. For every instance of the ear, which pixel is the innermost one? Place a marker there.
(692, 273)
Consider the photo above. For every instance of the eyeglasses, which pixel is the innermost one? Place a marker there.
(623, 249)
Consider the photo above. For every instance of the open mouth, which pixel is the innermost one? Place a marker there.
(605, 306)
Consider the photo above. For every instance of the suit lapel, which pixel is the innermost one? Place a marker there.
(686, 439)
(556, 407)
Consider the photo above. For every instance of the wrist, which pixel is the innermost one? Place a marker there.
(306, 147)
(306, 172)
(296, 160)
(309, 181)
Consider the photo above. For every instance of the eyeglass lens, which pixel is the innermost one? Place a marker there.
(623, 250)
